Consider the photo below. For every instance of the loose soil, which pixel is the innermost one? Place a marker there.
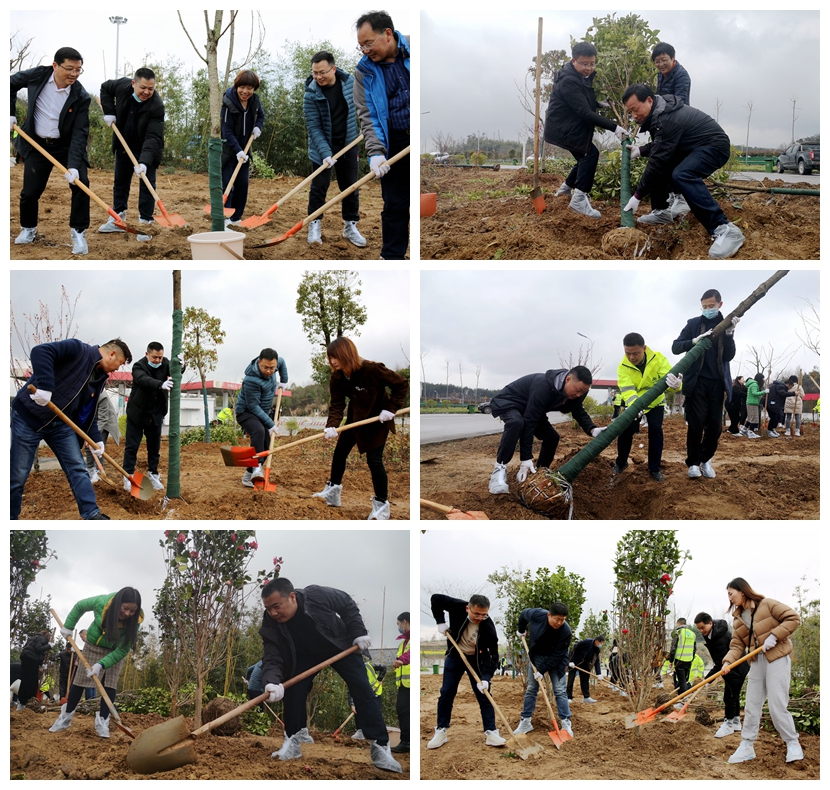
(602, 748)
(488, 215)
(186, 194)
(210, 490)
(756, 478)
(78, 753)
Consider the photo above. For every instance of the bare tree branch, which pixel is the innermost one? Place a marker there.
(181, 22)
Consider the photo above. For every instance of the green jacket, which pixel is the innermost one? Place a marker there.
(753, 393)
(632, 383)
(98, 604)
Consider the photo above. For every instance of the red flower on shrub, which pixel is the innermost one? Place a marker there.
(194, 555)
(167, 533)
(253, 544)
(181, 538)
(233, 537)
(670, 591)
(625, 630)
(35, 563)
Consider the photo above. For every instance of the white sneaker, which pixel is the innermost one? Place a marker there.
(128, 486)
(728, 239)
(498, 479)
(581, 205)
(746, 751)
(794, 751)
(727, 728)
(743, 430)
(382, 758)
(564, 189)
(752, 435)
(26, 236)
(439, 739)
(352, 234)
(110, 227)
(679, 207)
(358, 736)
(773, 434)
(694, 471)
(706, 468)
(492, 738)
(525, 726)
(102, 726)
(787, 432)
(63, 721)
(246, 481)
(797, 432)
(155, 479)
(315, 232)
(659, 216)
(380, 511)
(588, 699)
(79, 245)
(331, 494)
(566, 725)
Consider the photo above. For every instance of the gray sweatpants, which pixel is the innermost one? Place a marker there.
(768, 680)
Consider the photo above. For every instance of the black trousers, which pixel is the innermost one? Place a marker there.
(734, 412)
(776, 418)
(36, 170)
(30, 673)
(394, 187)
(654, 419)
(681, 672)
(704, 409)
(732, 684)
(252, 425)
(514, 425)
(76, 692)
(346, 172)
(124, 173)
(584, 681)
(238, 196)
(132, 442)
(582, 174)
(402, 708)
(374, 458)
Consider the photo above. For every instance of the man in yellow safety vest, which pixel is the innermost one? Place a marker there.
(682, 654)
(401, 667)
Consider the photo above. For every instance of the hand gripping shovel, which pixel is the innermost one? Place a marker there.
(165, 220)
(169, 745)
(104, 696)
(255, 221)
(524, 746)
(229, 211)
(141, 488)
(246, 456)
(646, 716)
(334, 201)
(454, 514)
(264, 483)
(557, 736)
(80, 185)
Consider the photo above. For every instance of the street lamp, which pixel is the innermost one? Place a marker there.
(117, 21)
(585, 336)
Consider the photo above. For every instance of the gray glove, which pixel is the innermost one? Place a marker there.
(140, 169)
(242, 156)
(731, 330)
(363, 642)
(443, 628)
(276, 692)
(66, 632)
(109, 120)
(483, 685)
(71, 175)
(538, 676)
(620, 132)
(571, 665)
(167, 385)
(674, 381)
(635, 152)
(329, 161)
(330, 433)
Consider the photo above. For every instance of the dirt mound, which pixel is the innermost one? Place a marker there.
(602, 747)
(756, 479)
(217, 707)
(486, 215)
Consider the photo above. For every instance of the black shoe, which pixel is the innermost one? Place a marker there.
(658, 476)
(401, 748)
(617, 468)
(99, 516)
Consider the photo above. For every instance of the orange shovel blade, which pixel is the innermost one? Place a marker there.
(539, 204)
(168, 220)
(255, 221)
(677, 715)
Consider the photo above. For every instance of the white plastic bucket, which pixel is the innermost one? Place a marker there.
(206, 246)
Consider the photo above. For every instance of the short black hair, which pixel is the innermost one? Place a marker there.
(681, 621)
(67, 53)
(712, 292)
(479, 600)
(759, 378)
(558, 608)
(633, 339)
(793, 379)
(662, 49)
(268, 353)
(323, 55)
(404, 616)
(640, 90)
(280, 585)
(144, 74)
(599, 639)
(379, 21)
(581, 373)
(583, 49)
(703, 617)
(154, 346)
(122, 347)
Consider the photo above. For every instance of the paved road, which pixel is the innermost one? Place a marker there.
(443, 427)
(788, 177)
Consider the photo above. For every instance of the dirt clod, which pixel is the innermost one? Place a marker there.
(217, 707)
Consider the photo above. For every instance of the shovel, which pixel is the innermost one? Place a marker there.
(229, 211)
(536, 194)
(333, 202)
(169, 745)
(80, 185)
(524, 746)
(255, 221)
(677, 715)
(142, 488)
(336, 735)
(454, 514)
(104, 696)
(557, 735)
(243, 456)
(166, 220)
(265, 484)
(598, 677)
(647, 715)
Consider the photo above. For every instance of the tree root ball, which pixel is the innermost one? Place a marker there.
(540, 494)
(662, 698)
(219, 707)
(626, 243)
(702, 717)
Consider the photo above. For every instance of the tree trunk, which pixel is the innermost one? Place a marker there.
(205, 402)
(217, 214)
(174, 430)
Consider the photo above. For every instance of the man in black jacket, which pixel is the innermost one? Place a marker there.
(706, 384)
(31, 657)
(585, 655)
(570, 122)
(523, 406)
(58, 120)
(474, 633)
(550, 638)
(146, 408)
(138, 112)
(302, 628)
(686, 147)
(716, 637)
(776, 403)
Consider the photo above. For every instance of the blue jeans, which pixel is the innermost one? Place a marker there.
(545, 664)
(63, 442)
(454, 670)
(687, 178)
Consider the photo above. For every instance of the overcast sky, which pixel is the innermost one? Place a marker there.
(519, 322)
(472, 62)
(257, 308)
(98, 562)
(773, 572)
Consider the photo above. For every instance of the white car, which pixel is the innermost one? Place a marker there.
(440, 157)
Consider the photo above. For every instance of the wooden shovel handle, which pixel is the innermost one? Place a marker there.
(436, 506)
(344, 723)
(273, 435)
(135, 163)
(540, 682)
(236, 170)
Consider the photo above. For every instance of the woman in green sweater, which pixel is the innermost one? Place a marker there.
(109, 639)
(754, 392)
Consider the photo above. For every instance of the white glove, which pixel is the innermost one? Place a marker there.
(635, 152)
(283, 385)
(70, 175)
(256, 132)
(276, 692)
(98, 449)
(41, 397)
(109, 120)
(96, 671)
(167, 385)
(330, 161)
(13, 120)
(620, 132)
(674, 381)
(572, 665)
(526, 466)
(273, 429)
(521, 633)
(377, 164)
(180, 357)
(604, 104)
(140, 169)
(538, 676)
(482, 686)
(330, 433)
(731, 330)
(242, 156)
(770, 642)
(385, 416)
(363, 642)
(700, 337)
(597, 431)
(443, 628)
(66, 632)
(633, 204)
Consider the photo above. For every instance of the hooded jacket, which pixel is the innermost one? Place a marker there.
(147, 398)
(534, 396)
(718, 356)
(96, 635)
(717, 643)
(36, 648)
(572, 111)
(676, 83)
(633, 384)
(148, 131)
(753, 393)
(778, 394)
(535, 623)
(771, 617)
(318, 116)
(237, 124)
(486, 658)
(257, 392)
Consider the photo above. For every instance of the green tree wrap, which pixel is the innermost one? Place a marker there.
(627, 217)
(217, 210)
(174, 433)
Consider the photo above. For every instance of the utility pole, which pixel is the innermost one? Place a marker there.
(117, 21)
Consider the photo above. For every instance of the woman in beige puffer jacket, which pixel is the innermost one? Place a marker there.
(763, 622)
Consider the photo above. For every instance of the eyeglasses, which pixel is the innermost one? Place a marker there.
(76, 72)
(664, 61)
(367, 47)
(317, 74)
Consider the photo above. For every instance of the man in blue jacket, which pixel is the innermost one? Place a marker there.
(72, 375)
(585, 656)
(672, 78)
(331, 122)
(549, 640)
(263, 376)
(381, 95)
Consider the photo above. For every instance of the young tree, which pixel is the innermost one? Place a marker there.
(29, 553)
(202, 333)
(748, 108)
(811, 320)
(807, 638)
(478, 376)
(597, 625)
(424, 374)
(461, 379)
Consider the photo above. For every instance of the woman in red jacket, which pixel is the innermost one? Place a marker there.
(364, 383)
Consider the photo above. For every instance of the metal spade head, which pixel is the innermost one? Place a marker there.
(151, 752)
(141, 487)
